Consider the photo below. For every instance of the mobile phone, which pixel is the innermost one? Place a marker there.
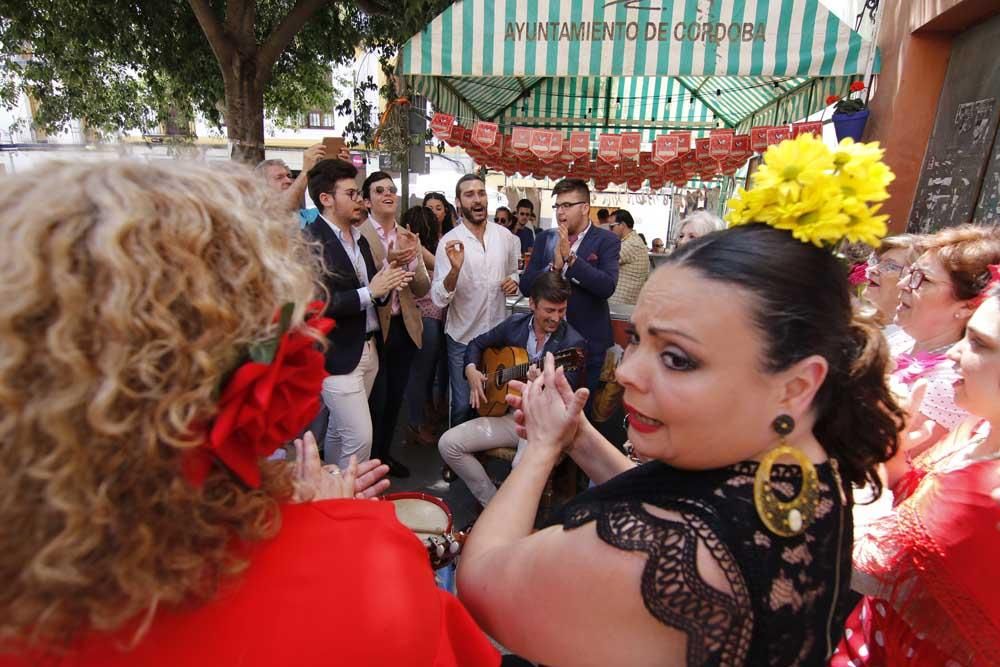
(333, 145)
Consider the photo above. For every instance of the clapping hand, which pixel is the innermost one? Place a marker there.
(548, 412)
(387, 279)
(406, 248)
(563, 247)
(314, 481)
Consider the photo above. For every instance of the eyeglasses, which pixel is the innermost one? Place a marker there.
(884, 265)
(567, 205)
(351, 194)
(381, 190)
(915, 278)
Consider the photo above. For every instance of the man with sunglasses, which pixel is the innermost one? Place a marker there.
(356, 286)
(587, 256)
(400, 319)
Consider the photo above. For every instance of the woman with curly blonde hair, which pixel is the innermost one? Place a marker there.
(144, 378)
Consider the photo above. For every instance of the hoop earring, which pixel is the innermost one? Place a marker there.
(782, 518)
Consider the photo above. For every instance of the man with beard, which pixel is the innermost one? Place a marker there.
(475, 272)
(543, 330)
(355, 288)
(400, 320)
(587, 256)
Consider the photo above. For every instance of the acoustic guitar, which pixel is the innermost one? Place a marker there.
(500, 365)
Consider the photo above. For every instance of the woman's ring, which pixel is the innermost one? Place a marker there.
(333, 470)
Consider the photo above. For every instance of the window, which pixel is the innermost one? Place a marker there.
(314, 119)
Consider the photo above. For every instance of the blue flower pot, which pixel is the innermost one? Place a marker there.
(850, 124)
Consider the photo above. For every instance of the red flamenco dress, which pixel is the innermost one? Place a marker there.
(930, 566)
(343, 583)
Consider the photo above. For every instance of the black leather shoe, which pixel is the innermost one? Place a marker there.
(448, 475)
(396, 469)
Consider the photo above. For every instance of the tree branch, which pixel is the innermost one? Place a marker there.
(213, 30)
(282, 36)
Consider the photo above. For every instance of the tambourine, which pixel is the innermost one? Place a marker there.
(431, 521)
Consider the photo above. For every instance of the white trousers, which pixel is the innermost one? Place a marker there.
(458, 445)
(349, 430)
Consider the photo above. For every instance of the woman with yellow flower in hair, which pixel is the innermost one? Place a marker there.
(755, 400)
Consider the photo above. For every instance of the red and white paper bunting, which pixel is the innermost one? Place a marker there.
(720, 144)
(664, 148)
(683, 141)
(579, 144)
(484, 134)
(815, 128)
(775, 135)
(441, 124)
(609, 147)
(758, 139)
(631, 144)
(520, 140)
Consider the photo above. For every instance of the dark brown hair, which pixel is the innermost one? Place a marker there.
(567, 185)
(325, 175)
(552, 287)
(803, 307)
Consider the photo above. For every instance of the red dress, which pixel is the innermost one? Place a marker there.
(343, 583)
(933, 562)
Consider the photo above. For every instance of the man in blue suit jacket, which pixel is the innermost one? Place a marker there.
(587, 256)
(543, 330)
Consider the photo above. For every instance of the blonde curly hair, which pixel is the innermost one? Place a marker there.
(127, 291)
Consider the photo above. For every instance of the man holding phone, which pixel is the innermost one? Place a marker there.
(481, 262)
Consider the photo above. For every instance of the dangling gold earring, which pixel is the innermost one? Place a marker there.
(790, 518)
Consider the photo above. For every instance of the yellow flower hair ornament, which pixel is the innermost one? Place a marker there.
(821, 196)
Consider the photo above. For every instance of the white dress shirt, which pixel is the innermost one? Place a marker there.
(477, 304)
(353, 251)
(535, 348)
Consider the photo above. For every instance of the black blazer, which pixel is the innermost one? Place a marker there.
(348, 336)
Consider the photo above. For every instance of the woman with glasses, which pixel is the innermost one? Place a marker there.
(938, 295)
(885, 267)
(925, 566)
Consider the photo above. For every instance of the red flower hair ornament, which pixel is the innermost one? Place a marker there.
(994, 281)
(266, 401)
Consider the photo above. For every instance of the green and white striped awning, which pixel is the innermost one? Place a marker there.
(649, 65)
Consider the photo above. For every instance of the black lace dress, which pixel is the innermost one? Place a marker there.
(790, 596)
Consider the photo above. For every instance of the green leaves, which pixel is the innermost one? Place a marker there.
(131, 64)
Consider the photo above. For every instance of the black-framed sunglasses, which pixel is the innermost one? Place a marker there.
(381, 189)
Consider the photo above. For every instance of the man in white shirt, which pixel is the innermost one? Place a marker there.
(482, 258)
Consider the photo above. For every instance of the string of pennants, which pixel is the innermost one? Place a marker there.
(619, 159)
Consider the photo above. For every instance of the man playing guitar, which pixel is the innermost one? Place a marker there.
(545, 329)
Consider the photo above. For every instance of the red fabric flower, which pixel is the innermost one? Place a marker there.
(831, 99)
(859, 274)
(262, 406)
(857, 85)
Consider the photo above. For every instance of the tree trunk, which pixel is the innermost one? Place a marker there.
(244, 110)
